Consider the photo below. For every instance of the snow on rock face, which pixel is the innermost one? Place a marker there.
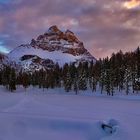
(60, 47)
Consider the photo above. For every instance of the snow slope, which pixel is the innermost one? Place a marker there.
(53, 115)
(57, 56)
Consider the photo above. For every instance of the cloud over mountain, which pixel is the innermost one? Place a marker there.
(104, 26)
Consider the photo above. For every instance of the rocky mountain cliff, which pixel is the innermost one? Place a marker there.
(54, 46)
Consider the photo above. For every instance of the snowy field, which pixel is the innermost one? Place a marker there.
(53, 115)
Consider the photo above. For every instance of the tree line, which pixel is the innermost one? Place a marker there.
(119, 72)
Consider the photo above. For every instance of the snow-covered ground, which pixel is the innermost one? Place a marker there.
(53, 115)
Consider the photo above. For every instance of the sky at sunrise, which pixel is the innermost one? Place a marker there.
(105, 26)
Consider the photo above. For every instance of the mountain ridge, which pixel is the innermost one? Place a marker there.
(54, 46)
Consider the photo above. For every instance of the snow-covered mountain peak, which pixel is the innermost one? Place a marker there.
(55, 46)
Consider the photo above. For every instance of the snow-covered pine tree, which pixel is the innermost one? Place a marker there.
(137, 78)
(93, 84)
(82, 83)
(112, 81)
(68, 82)
(107, 81)
(75, 86)
(127, 80)
(102, 79)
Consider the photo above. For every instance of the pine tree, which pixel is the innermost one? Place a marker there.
(75, 87)
(41, 76)
(57, 75)
(12, 80)
(68, 82)
(127, 80)
(6, 76)
(82, 83)
(51, 79)
(25, 80)
(112, 81)
(0, 77)
(102, 79)
(137, 70)
(107, 82)
(93, 84)
(34, 79)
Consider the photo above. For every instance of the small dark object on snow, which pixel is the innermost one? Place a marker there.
(105, 126)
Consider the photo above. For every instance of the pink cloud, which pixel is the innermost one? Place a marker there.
(104, 26)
